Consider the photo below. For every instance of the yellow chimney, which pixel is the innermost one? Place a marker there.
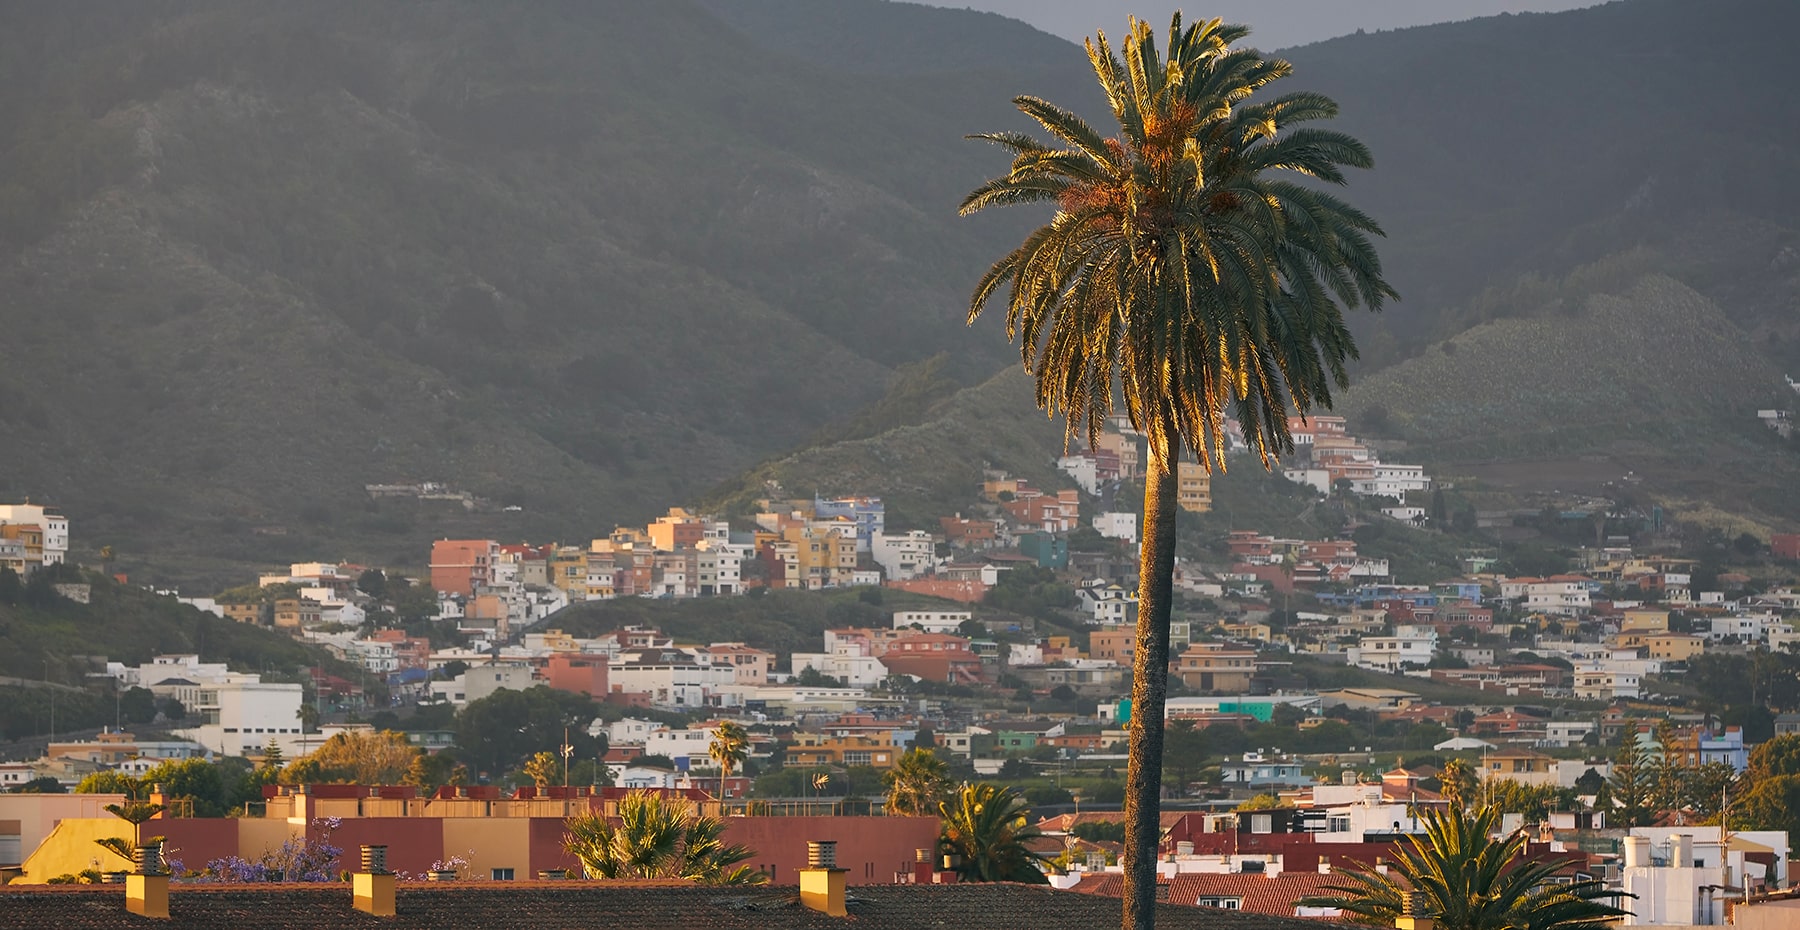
(373, 887)
(147, 887)
(1413, 916)
(822, 882)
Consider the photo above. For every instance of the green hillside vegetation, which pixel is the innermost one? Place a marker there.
(1651, 377)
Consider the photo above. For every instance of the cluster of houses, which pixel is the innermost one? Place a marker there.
(31, 537)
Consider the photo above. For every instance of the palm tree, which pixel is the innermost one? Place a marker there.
(658, 838)
(1176, 278)
(917, 783)
(730, 747)
(986, 826)
(1469, 881)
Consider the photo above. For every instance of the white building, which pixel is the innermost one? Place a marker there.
(1563, 598)
(719, 571)
(674, 680)
(1084, 469)
(933, 621)
(1596, 683)
(1409, 647)
(239, 717)
(686, 747)
(1117, 526)
(54, 526)
(851, 666)
(1105, 603)
(1679, 876)
(1748, 628)
(903, 556)
(1394, 481)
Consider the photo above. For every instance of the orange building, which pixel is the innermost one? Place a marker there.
(577, 673)
(933, 657)
(460, 566)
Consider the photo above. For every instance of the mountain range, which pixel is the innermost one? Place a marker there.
(594, 259)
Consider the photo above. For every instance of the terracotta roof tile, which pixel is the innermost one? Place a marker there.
(568, 905)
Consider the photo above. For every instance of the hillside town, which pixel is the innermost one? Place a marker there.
(1317, 706)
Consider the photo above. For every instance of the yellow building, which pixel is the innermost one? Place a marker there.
(1193, 487)
(569, 570)
(864, 747)
(1674, 647)
(1644, 620)
(822, 560)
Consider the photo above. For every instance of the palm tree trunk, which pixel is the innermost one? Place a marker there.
(1149, 690)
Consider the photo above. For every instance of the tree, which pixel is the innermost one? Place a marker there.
(498, 732)
(1458, 782)
(196, 781)
(1631, 782)
(730, 747)
(544, 769)
(356, 758)
(1176, 269)
(108, 781)
(1469, 881)
(987, 826)
(658, 838)
(917, 784)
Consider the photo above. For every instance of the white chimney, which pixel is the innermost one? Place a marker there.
(1637, 852)
(1681, 851)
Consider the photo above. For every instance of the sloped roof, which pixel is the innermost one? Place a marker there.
(629, 906)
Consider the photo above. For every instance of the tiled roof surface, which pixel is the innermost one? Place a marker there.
(571, 905)
(1268, 895)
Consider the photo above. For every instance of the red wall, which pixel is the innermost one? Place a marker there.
(872, 848)
(413, 843)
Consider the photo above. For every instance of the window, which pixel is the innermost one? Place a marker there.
(501, 875)
(1230, 904)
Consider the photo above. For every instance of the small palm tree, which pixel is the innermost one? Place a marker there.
(730, 747)
(1470, 881)
(134, 812)
(657, 838)
(917, 783)
(987, 826)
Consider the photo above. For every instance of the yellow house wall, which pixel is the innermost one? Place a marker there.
(497, 844)
(70, 848)
(258, 835)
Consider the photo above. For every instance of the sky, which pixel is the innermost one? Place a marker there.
(1276, 23)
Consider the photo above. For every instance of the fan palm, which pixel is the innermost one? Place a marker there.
(986, 826)
(730, 747)
(916, 784)
(1180, 276)
(658, 838)
(1470, 881)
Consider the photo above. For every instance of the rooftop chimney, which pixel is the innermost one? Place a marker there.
(147, 887)
(822, 882)
(1414, 916)
(373, 886)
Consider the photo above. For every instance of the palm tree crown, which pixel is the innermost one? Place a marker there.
(916, 784)
(656, 837)
(730, 747)
(987, 827)
(1471, 881)
(1173, 264)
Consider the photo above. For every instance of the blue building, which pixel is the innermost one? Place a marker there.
(868, 513)
(1048, 549)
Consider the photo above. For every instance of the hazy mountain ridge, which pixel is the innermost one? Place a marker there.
(596, 258)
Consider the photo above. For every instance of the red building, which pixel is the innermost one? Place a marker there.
(1785, 546)
(933, 657)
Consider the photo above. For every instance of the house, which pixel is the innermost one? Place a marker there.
(1525, 766)
(1120, 526)
(1259, 774)
(463, 566)
(1215, 668)
(1106, 603)
(904, 556)
(933, 657)
(1193, 487)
